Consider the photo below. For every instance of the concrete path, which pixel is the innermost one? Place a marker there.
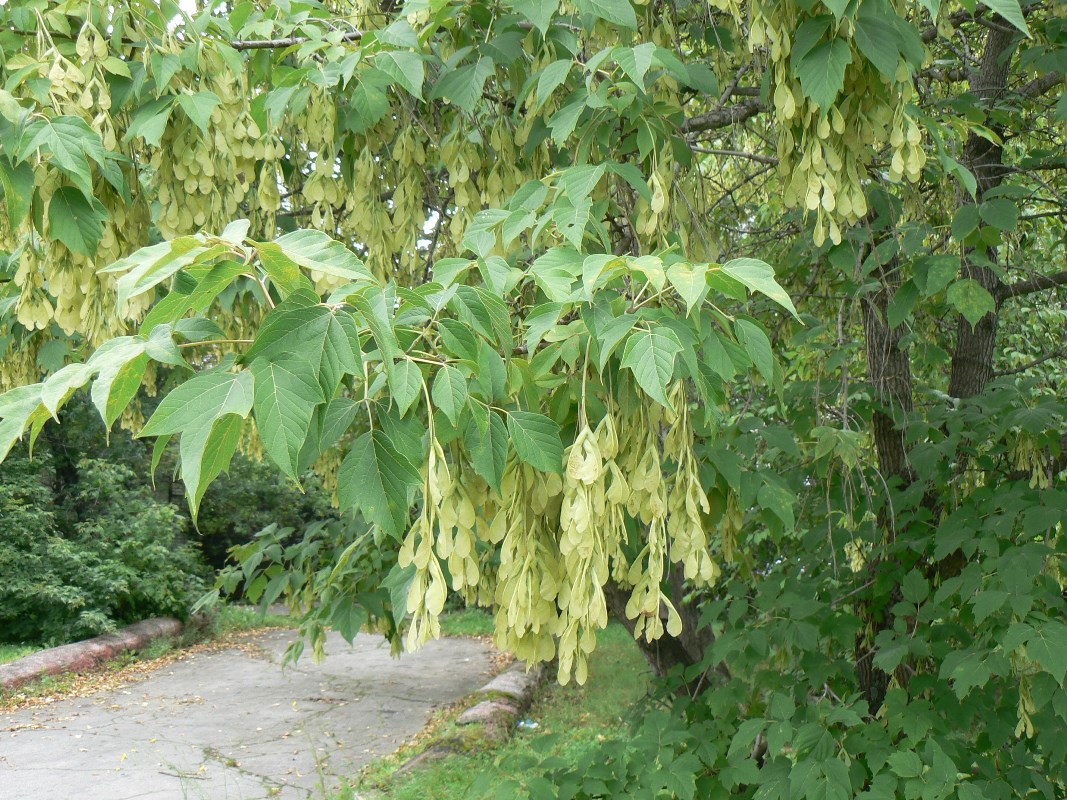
(231, 725)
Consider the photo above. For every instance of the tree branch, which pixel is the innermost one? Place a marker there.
(271, 44)
(714, 151)
(1035, 284)
(1038, 86)
(723, 116)
(1035, 363)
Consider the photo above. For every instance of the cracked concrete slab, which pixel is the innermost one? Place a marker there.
(230, 725)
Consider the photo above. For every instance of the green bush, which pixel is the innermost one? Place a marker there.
(255, 495)
(123, 558)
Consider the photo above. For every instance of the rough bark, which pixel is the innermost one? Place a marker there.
(889, 374)
(972, 360)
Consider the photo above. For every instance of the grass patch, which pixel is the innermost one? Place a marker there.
(578, 716)
(469, 622)
(13, 652)
(233, 619)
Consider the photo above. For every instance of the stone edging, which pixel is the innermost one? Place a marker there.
(505, 697)
(81, 656)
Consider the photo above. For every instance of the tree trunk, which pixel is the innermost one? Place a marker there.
(668, 652)
(889, 368)
(972, 361)
(889, 373)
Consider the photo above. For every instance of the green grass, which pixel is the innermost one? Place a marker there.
(467, 622)
(578, 716)
(231, 619)
(11, 652)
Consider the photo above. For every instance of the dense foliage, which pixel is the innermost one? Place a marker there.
(116, 555)
(485, 268)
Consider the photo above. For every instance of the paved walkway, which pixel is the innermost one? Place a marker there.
(231, 725)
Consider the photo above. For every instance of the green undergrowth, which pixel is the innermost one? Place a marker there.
(13, 652)
(571, 720)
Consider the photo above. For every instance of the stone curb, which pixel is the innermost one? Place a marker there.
(81, 656)
(505, 697)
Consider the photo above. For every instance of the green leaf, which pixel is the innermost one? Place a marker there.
(120, 365)
(286, 394)
(198, 107)
(837, 7)
(485, 312)
(206, 451)
(150, 121)
(758, 347)
(778, 500)
(150, 266)
(18, 407)
(1011, 10)
(690, 281)
(18, 184)
(549, 79)
(972, 301)
(537, 440)
(965, 221)
(76, 222)
(539, 12)
(636, 61)
(822, 72)
(53, 355)
(488, 449)
(60, 386)
(1048, 647)
(903, 303)
(367, 105)
(610, 331)
(758, 276)
(207, 396)
(556, 271)
(539, 321)
(316, 251)
(450, 392)
(379, 482)
(1001, 213)
(67, 141)
(316, 340)
(405, 68)
(398, 584)
(617, 12)
(906, 764)
(405, 381)
(464, 86)
(373, 304)
(934, 273)
(650, 355)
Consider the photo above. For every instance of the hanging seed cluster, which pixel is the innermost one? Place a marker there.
(543, 549)
(58, 284)
(206, 177)
(824, 154)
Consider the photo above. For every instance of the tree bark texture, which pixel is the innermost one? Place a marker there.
(972, 361)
